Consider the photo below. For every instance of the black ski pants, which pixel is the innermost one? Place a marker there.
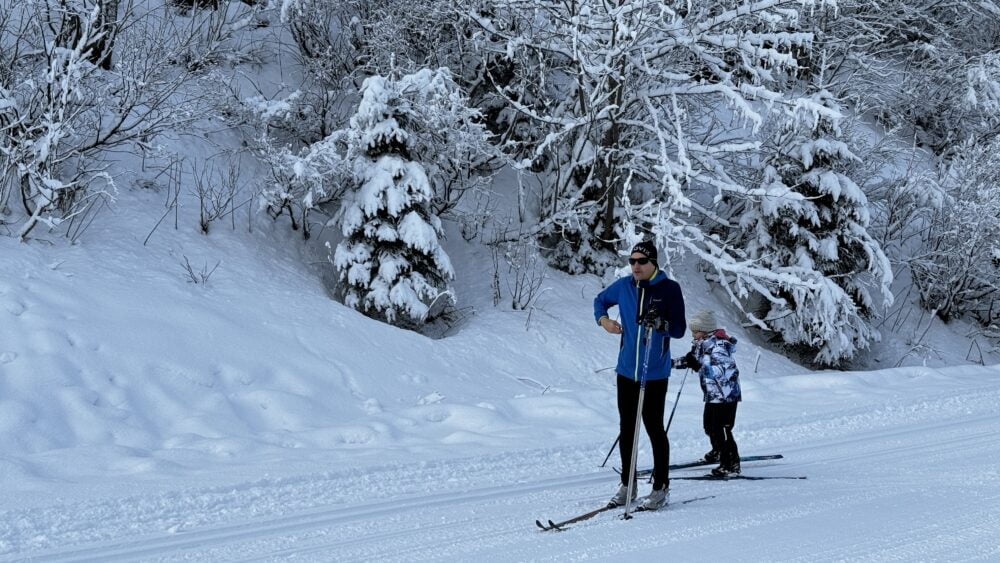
(653, 403)
(718, 421)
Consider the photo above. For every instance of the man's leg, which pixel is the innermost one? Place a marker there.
(652, 418)
(628, 401)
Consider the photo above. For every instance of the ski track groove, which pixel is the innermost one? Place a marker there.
(150, 546)
(921, 537)
(960, 426)
(362, 551)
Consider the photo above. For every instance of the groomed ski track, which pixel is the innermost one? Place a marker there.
(909, 482)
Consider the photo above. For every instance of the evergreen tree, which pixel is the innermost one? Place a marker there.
(391, 260)
(812, 222)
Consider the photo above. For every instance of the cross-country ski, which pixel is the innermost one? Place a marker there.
(564, 525)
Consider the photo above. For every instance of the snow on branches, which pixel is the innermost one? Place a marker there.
(82, 79)
(658, 99)
(647, 118)
(41, 117)
(304, 180)
(957, 270)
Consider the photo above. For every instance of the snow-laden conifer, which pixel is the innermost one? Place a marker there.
(391, 262)
(811, 220)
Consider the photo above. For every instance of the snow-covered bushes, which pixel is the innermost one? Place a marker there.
(206, 34)
(68, 99)
(521, 270)
(325, 34)
(518, 268)
(925, 64)
(216, 190)
(303, 181)
(391, 260)
(47, 148)
(301, 151)
(957, 271)
(370, 37)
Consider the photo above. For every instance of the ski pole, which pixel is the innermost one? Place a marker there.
(638, 425)
(671, 419)
(607, 457)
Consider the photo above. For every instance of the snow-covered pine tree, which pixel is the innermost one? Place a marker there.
(812, 222)
(391, 261)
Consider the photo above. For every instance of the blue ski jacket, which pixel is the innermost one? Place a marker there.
(634, 301)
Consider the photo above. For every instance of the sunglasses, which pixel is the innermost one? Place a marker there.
(643, 261)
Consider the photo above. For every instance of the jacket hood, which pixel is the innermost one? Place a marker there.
(721, 334)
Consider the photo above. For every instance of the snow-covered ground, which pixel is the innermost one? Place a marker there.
(144, 417)
(911, 477)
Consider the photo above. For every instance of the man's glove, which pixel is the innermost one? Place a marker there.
(654, 321)
(691, 362)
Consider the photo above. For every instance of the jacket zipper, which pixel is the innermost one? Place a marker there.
(638, 336)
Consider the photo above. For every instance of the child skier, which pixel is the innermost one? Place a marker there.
(711, 356)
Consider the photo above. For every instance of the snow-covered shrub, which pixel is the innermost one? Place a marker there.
(391, 261)
(378, 36)
(63, 109)
(811, 220)
(304, 175)
(303, 181)
(925, 64)
(298, 142)
(518, 269)
(957, 272)
(210, 34)
(40, 127)
(326, 36)
(217, 190)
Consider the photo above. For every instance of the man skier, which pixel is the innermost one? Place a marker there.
(649, 305)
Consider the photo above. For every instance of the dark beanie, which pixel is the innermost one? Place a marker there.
(647, 248)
